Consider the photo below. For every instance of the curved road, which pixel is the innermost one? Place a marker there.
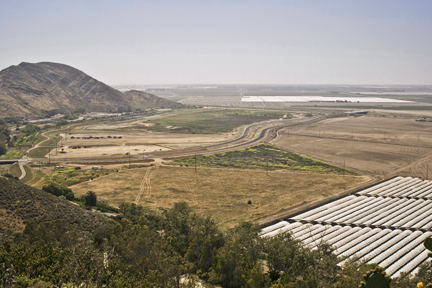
(22, 161)
(252, 135)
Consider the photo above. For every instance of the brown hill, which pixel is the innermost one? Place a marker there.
(147, 100)
(36, 89)
(21, 204)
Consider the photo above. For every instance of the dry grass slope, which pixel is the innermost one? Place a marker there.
(221, 193)
(21, 204)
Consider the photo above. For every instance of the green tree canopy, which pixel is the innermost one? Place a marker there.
(90, 198)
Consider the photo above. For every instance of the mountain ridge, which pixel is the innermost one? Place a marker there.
(33, 90)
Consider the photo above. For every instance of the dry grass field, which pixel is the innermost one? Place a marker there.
(135, 142)
(220, 193)
(376, 146)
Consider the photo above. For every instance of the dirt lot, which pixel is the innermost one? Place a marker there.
(377, 146)
(221, 193)
(134, 141)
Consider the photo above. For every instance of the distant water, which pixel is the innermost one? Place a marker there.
(320, 99)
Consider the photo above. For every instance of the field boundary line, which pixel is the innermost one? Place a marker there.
(305, 206)
(265, 171)
(353, 140)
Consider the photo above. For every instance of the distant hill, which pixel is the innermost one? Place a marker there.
(147, 100)
(39, 89)
(21, 204)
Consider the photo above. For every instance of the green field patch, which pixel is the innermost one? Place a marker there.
(13, 153)
(71, 176)
(266, 157)
(38, 152)
(31, 139)
(212, 121)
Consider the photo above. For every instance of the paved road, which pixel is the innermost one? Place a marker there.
(251, 135)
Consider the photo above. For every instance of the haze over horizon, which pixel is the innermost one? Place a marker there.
(225, 42)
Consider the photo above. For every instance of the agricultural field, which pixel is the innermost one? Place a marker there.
(222, 193)
(212, 121)
(264, 156)
(376, 146)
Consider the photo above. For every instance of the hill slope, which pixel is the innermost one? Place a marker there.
(147, 100)
(21, 204)
(33, 89)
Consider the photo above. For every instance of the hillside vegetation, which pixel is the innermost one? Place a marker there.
(175, 248)
(21, 204)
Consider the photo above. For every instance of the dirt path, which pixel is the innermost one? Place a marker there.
(23, 172)
(43, 141)
(419, 168)
(145, 185)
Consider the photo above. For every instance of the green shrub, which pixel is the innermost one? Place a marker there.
(59, 190)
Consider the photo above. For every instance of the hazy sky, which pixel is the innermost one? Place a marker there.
(250, 42)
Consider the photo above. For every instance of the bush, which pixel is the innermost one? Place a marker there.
(10, 176)
(59, 190)
(62, 122)
(105, 207)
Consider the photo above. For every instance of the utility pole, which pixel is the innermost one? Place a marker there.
(267, 167)
(344, 170)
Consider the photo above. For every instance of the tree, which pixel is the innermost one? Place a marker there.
(3, 149)
(239, 261)
(283, 254)
(90, 198)
(29, 129)
(62, 122)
